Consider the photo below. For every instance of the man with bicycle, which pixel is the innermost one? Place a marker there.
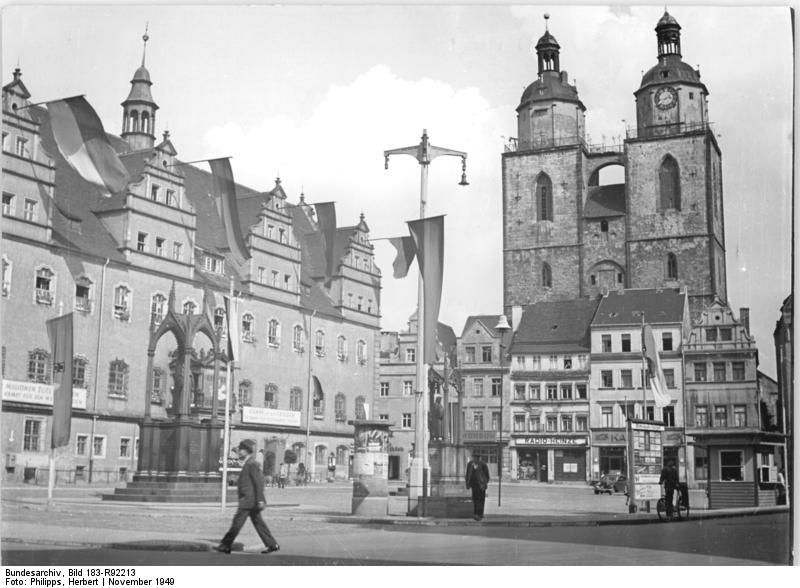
(669, 478)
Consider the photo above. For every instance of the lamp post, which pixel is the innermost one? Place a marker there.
(502, 327)
(424, 153)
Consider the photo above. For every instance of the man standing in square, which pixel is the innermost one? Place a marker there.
(477, 479)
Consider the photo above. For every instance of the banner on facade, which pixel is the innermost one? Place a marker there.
(34, 393)
(270, 416)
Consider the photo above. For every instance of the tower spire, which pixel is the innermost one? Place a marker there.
(145, 38)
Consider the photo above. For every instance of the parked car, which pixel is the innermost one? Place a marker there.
(611, 483)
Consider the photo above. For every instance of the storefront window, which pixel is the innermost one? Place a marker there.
(700, 463)
(731, 466)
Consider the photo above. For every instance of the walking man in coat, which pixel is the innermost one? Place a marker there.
(477, 479)
(251, 501)
(669, 478)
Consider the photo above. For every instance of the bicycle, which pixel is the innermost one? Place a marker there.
(681, 510)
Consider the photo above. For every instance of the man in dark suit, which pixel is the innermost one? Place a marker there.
(251, 501)
(477, 479)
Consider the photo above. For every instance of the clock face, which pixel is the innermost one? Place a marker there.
(666, 98)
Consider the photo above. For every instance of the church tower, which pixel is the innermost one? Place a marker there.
(543, 187)
(139, 109)
(675, 228)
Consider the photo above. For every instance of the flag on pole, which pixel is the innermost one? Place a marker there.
(428, 234)
(59, 330)
(406, 251)
(232, 316)
(326, 220)
(225, 192)
(655, 375)
(83, 143)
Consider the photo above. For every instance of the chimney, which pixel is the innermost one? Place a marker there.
(516, 317)
(744, 318)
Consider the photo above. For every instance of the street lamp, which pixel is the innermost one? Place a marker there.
(424, 153)
(502, 326)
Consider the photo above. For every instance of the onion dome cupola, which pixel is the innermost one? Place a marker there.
(139, 109)
(550, 112)
(671, 97)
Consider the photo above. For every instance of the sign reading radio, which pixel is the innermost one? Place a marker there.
(270, 416)
(35, 393)
(544, 440)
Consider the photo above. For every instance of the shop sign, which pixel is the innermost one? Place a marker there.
(270, 416)
(35, 393)
(544, 440)
(609, 438)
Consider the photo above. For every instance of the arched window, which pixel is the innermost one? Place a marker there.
(319, 343)
(39, 366)
(547, 276)
(274, 333)
(271, 396)
(604, 226)
(189, 307)
(83, 294)
(339, 408)
(341, 455)
(341, 348)
(220, 324)
(669, 184)
(319, 402)
(247, 327)
(133, 121)
(118, 379)
(122, 303)
(361, 411)
(45, 286)
(361, 352)
(245, 393)
(298, 343)
(79, 368)
(296, 399)
(146, 122)
(319, 454)
(157, 308)
(544, 197)
(672, 266)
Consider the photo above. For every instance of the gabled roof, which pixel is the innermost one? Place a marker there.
(624, 307)
(488, 321)
(555, 326)
(605, 201)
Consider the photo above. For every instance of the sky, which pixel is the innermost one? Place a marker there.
(315, 94)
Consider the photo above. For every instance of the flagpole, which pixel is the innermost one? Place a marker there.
(309, 467)
(226, 426)
(644, 375)
(46, 101)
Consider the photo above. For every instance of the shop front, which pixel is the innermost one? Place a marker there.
(609, 450)
(551, 458)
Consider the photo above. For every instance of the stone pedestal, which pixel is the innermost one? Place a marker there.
(448, 497)
(371, 468)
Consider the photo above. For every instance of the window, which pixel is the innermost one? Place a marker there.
(626, 343)
(497, 387)
(719, 371)
(125, 447)
(245, 397)
(607, 379)
(672, 266)
(83, 292)
(477, 386)
(361, 352)
(566, 391)
(177, 251)
(544, 197)
(711, 335)
(519, 391)
(607, 415)
(220, 326)
(341, 348)
(495, 421)
(274, 334)
(118, 379)
(731, 466)
(739, 415)
(606, 340)
(384, 389)
(318, 400)
(552, 392)
(33, 434)
(154, 192)
(700, 463)
(720, 416)
(486, 354)
(627, 378)
(248, 328)
(553, 362)
(141, 242)
(44, 286)
(158, 382)
(534, 391)
(668, 415)
(581, 390)
(408, 387)
(765, 463)
(699, 372)
(725, 334)
(81, 443)
(406, 423)
(79, 365)
(738, 370)
(287, 282)
(99, 446)
(581, 423)
(282, 235)
(566, 423)
(297, 339)
(7, 267)
(552, 424)
(567, 363)
(160, 246)
(701, 415)
(666, 341)
(271, 396)
(411, 355)
(669, 184)
(470, 350)
(519, 360)
(383, 417)
(604, 226)
(669, 377)
(537, 362)
(214, 264)
(319, 343)
(270, 231)
(296, 399)
(8, 204)
(547, 276)
(519, 423)
(477, 420)
(361, 409)
(122, 296)
(171, 198)
(20, 146)
(29, 210)
(39, 366)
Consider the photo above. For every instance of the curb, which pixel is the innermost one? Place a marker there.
(142, 545)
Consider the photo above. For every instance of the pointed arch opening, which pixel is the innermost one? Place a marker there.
(672, 266)
(547, 276)
(669, 183)
(543, 197)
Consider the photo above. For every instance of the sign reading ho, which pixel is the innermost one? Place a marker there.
(35, 393)
(270, 416)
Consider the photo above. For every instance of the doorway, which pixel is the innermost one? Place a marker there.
(394, 467)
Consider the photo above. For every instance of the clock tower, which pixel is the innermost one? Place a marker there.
(675, 229)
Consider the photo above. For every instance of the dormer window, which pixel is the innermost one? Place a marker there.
(154, 193)
(214, 264)
(172, 199)
(20, 146)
